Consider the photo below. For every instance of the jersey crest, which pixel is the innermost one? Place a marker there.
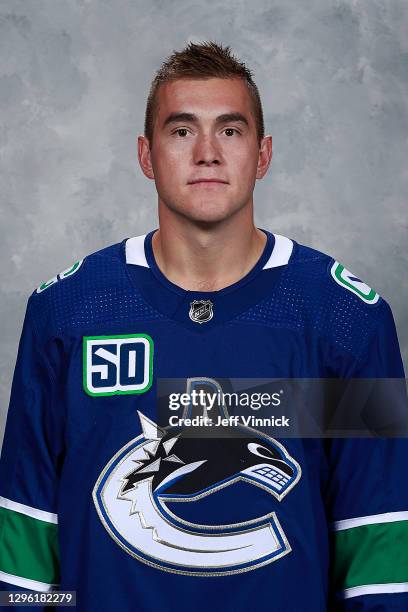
(167, 466)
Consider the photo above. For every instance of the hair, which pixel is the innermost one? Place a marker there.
(202, 61)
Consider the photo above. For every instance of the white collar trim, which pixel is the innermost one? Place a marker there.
(282, 250)
(281, 253)
(135, 252)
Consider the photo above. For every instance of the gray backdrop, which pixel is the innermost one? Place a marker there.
(73, 83)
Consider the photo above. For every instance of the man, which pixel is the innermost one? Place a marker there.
(97, 497)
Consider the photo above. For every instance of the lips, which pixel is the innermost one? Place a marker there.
(207, 180)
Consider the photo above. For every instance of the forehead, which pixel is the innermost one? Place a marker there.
(206, 98)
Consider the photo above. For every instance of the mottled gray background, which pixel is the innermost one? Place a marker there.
(73, 83)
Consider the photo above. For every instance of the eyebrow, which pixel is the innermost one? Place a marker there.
(191, 118)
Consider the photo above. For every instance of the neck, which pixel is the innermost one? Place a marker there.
(207, 257)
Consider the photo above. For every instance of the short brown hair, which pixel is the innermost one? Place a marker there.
(201, 61)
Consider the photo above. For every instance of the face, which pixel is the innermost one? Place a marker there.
(205, 155)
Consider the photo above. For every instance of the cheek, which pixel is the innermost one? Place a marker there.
(243, 169)
(242, 160)
(175, 159)
(168, 167)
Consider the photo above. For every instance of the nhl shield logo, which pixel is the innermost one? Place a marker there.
(201, 311)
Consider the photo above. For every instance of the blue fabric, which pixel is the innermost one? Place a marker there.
(289, 321)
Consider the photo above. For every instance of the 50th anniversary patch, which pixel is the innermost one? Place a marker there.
(117, 365)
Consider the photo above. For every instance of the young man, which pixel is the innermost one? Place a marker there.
(96, 497)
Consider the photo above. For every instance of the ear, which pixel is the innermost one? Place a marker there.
(145, 161)
(265, 156)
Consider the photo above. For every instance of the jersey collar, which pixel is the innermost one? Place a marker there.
(174, 301)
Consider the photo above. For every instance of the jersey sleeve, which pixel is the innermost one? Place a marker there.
(30, 463)
(367, 496)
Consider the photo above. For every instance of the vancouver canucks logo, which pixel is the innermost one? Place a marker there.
(201, 311)
(346, 279)
(137, 491)
(64, 274)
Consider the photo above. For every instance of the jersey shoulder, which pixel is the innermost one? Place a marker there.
(316, 271)
(337, 303)
(91, 291)
(84, 270)
(320, 266)
(317, 297)
(98, 258)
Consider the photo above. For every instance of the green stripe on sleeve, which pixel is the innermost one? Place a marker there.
(370, 554)
(29, 547)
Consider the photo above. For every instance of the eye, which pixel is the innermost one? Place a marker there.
(261, 451)
(231, 131)
(181, 132)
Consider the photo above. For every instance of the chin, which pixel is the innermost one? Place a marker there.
(206, 212)
(208, 217)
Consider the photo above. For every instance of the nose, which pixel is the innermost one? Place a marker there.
(206, 151)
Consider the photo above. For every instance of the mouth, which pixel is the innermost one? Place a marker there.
(208, 181)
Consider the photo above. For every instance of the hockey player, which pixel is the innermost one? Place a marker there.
(97, 497)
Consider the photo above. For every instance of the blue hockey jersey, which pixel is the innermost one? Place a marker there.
(98, 498)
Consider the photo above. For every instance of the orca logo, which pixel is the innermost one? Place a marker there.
(163, 467)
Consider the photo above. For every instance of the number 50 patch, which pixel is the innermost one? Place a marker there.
(117, 365)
